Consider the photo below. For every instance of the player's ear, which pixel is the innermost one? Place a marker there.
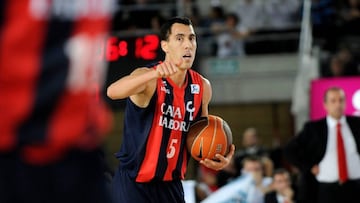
(164, 46)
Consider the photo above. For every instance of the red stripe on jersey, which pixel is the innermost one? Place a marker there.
(85, 129)
(19, 53)
(175, 136)
(67, 130)
(91, 110)
(148, 166)
(91, 26)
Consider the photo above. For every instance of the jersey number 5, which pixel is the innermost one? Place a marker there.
(172, 148)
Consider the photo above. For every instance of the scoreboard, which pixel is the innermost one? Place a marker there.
(143, 48)
(124, 54)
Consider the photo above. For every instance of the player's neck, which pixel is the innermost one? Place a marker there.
(179, 78)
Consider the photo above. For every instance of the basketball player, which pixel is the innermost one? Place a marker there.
(51, 123)
(162, 101)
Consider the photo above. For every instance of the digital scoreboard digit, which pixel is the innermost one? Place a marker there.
(124, 54)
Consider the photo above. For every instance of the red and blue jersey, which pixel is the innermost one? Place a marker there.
(49, 76)
(154, 140)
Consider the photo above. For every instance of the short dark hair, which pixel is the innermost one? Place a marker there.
(165, 29)
(251, 158)
(281, 171)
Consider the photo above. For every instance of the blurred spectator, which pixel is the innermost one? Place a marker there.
(206, 182)
(350, 16)
(255, 167)
(229, 37)
(351, 61)
(191, 11)
(351, 10)
(251, 144)
(250, 187)
(252, 147)
(337, 67)
(323, 18)
(280, 14)
(209, 180)
(282, 191)
(342, 63)
(251, 14)
(156, 22)
(53, 121)
(216, 15)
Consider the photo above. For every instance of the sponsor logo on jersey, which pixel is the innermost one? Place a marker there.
(195, 89)
(172, 117)
(164, 89)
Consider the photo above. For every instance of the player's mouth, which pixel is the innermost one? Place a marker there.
(187, 56)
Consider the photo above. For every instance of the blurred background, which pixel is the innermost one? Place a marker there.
(263, 58)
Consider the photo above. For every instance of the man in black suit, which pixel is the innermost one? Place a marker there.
(315, 153)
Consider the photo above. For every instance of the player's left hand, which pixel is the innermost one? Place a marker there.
(223, 161)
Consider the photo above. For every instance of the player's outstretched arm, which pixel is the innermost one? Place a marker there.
(132, 84)
(138, 81)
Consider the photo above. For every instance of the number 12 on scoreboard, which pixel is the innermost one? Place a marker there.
(143, 48)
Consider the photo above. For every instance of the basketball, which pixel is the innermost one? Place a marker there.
(209, 136)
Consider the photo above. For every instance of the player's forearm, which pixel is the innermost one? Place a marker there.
(130, 85)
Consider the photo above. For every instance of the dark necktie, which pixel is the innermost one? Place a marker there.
(343, 175)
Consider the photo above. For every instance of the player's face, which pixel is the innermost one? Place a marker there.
(181, 45)
(335, 103)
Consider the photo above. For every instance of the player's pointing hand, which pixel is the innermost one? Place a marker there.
(166, 69)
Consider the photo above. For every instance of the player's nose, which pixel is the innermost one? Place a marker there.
(187, 44)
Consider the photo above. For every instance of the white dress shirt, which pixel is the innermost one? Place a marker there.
(280, 198)
(241, 189)
(255, 195)
(328, 166)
